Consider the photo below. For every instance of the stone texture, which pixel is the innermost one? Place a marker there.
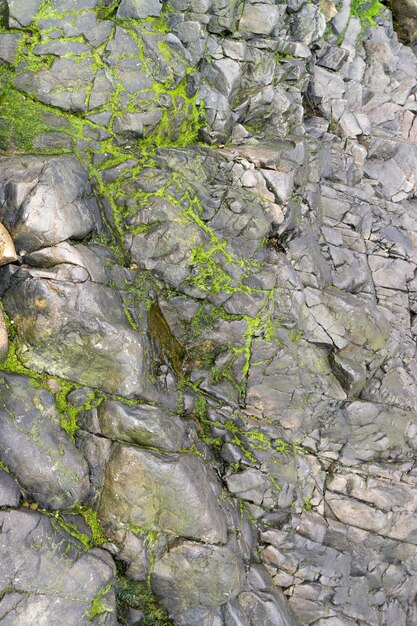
(46, 575)
(139, 8)
(80, 331)
(43, 201)
(36, 449)
(141, 424)
(9, 490)
(192, 577)
(22, 12)
(253, 302)
(153, 491)
(405, 12)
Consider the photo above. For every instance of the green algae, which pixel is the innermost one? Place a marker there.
(366, 11)
(98, 606)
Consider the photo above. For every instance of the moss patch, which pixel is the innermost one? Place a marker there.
(366, 11)
(139, 596)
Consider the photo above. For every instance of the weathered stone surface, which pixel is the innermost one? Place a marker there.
(139, 8)
(44, 200)
(192, 577)
(22, 12)
(175, 493)
(46, 575)
(144, 425)
(259, 19)
(405, 13)
(79, 331)
(9, 43)
(9, 490)
(36, 449)
(283, 266)
(7, 249)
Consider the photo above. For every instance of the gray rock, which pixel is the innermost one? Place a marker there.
(341, 19)
(144, 425)
(280, 183)
(9, 490)
(129, 125)
(63, 6)
(191, 577)
(285, 268)
(259, 19)
(70, 254)
(82, 333)
(175, 493)
(327, 84)
(22, 12)
(48, 578)
(308, 24)
(36, 449)
(65, 85)
(44, 200)
(139, 8)
(9, 43)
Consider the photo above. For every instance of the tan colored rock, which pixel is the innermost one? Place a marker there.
(4, 340)
(7, 249)
(327, 7)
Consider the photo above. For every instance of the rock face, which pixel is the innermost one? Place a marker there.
(45, 575)
(208, 277)
(77, 331)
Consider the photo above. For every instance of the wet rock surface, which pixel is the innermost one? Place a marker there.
(208, 410)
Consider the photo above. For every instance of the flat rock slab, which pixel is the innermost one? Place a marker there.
(173, 493)
(64, 85)
(35, 448)
(80, 332)
(46, 579)
(43, 201)
(22, 12)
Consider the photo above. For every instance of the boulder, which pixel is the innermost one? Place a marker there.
(173, 493)
(35, 448)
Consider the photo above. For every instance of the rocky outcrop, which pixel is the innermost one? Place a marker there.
(209, 374)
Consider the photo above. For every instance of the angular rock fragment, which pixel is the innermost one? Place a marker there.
(22, 12)
(9, 490)
(143, 425)
(139, 8)
(7, 249)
